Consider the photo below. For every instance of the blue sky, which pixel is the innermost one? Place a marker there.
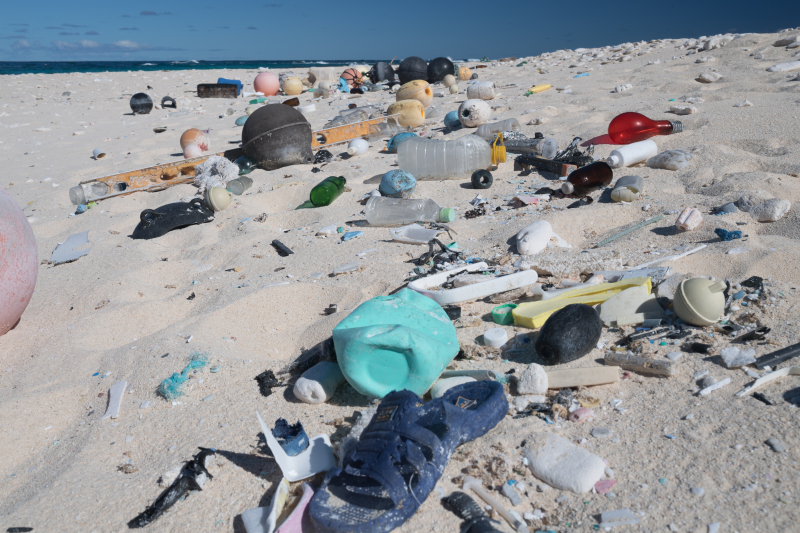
(81, 30)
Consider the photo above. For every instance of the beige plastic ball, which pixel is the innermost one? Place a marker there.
(454, 88)
(449, 80)
(412, 113)
(292, 86)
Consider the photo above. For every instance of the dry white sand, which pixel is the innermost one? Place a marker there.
(60, 463)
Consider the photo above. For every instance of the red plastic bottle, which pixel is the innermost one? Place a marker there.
(629, 128)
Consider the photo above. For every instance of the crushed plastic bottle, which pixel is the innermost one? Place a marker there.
(434, 159)
(490, 131)
(384, 211)
(386, 129)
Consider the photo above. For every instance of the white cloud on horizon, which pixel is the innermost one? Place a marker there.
(88, 46)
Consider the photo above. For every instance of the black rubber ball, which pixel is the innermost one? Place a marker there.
(439, 68)
(412, 68)
(141, 104)
(276, 136)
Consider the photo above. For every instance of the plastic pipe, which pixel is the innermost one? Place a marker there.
(470, 483)
(319, 383)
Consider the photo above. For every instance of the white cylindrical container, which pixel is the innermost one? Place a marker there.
(319, 383)
(483, 90)
(434, 159)
(631, 154)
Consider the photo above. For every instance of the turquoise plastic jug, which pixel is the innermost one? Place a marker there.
(402, 341)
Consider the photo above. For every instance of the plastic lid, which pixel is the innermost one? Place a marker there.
(567, 188)
(495, 337)
(447, 214)
(613, 160)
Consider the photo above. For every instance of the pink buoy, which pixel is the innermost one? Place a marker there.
(267, 83)
(19, 262)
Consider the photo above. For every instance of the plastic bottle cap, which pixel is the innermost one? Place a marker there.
(352, 150)
(613, 160)
(567, 188)
(495, 337)
(447, 214)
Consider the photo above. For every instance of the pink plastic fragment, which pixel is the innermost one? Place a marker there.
(604, 485)
(299, 521)
(582, 414)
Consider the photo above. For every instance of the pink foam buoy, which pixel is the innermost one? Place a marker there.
(267, 83)
(19, 262)
(195, 136)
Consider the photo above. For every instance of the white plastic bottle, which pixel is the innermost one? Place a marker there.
(631, 154)
(433, 159)
(490, 131)
(385, 211)
(482, 90)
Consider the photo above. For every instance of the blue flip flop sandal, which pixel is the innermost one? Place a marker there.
(401, 455)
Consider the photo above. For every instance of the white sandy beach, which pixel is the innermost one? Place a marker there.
(122, 310)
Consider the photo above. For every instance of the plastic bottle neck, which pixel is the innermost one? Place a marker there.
(567, 188)
(614, 160)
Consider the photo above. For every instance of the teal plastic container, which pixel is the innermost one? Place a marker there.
(402, 341)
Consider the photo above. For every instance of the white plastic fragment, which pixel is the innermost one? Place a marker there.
(470, 292)
(319, 383)
(317, 457)
(443, 385)
(346, 268)
(622, 88)
(689, 219)
(733, 357)
(620, 517)
(264, 519)
(670, 160)
(710, 77)
(115, 394)
(534, 237)
(785, 67)
(327, 230)
(711, 388)
(66, 251)
(746, 103)
(786, 371)
(561, 464)
(683, 109)
(413, 234)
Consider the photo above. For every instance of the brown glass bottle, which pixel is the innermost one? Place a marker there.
(588, 179)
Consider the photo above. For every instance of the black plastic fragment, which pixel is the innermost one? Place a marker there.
(192, 477)
(154, 223)
(322, 156)
(168, 101)
(468, 510)
(763, 398)
(283, 250)
(267, 381)
(453, 311)
(778, 357)
(19, 529)
(699, 347)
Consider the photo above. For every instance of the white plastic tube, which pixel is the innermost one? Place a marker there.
(319, 383)
(474, 291)
(631, 154)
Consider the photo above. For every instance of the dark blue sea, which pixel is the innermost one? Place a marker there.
(55, 67)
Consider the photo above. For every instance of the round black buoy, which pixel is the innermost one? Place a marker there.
(482, 179)
(381, 71)
(412, 68)
(276, 136)
(439, 68)
(141, 104)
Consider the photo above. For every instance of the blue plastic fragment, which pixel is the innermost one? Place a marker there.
(351, 235)
(171, 387)
(397, 183)
(96, 374)
(451, 121)
(581, 75)
(670, 436)
(739, 295)
(238, 84)
(726, 235)
(292, 438)
(398, 139)
(81, 209)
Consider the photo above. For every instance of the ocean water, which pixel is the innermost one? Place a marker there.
(54, 67)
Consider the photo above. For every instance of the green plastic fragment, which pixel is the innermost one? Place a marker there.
(171, 387)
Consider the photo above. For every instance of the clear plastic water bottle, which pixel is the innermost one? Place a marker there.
(385, 211)
(86, 192)
(490, 131)
(433, 159)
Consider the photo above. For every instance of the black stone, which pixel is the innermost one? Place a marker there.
(569, 334)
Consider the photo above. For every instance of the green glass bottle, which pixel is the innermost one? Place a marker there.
(327, 191)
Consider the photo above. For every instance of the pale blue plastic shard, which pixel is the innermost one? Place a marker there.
(172, 387)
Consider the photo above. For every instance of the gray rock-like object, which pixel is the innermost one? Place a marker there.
(569, 334)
